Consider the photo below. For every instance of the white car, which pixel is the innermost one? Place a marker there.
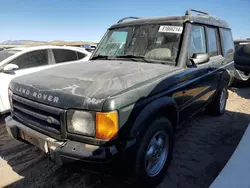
(20, 61)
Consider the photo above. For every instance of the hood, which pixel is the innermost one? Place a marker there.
(85, 85)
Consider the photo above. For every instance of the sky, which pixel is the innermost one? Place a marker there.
(87, 20)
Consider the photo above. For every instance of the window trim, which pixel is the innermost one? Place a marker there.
(219, 43)
(76, 55)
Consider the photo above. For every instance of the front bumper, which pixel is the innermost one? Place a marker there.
(64, 151)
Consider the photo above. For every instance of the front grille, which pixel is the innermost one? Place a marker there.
(37, 115)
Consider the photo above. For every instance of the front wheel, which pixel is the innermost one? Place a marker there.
(154, 153)
(218, 105)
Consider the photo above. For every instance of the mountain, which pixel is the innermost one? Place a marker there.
(21, 42)
(62, 42)
(38, 43)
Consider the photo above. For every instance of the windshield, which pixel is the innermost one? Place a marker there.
(154, 43)
(4, 54)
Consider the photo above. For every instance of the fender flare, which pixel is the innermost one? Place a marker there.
(151, 110)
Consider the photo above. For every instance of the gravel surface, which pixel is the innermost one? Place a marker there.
(203, 146)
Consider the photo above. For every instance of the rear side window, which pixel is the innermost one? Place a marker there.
(212, 41)
(197, 43)
(32, 59)
(80, 55)
(227, 42)
(64, 55)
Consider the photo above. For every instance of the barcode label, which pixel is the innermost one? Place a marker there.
(170, 29)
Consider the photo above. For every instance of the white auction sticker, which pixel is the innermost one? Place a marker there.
(170, 29)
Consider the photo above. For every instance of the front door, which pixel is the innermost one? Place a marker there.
(200, 80)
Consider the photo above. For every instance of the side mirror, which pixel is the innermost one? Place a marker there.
(199, 58)
(242, 58)
(10, 68)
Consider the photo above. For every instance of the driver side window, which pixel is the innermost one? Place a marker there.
(32, 59)
(197, 41)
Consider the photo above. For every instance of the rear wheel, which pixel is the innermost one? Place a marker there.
(154, 153)
(218, 105)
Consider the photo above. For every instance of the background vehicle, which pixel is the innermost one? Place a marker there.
(89, 48)
(240, 42)
(20, 61)
(242, 58)
(240, 76)
(128, 104)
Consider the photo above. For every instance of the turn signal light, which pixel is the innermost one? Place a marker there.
(106, 125)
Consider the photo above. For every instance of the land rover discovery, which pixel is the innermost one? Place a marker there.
(131, 99)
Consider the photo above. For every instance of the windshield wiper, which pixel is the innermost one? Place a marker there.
(133, 58)
(129, 56)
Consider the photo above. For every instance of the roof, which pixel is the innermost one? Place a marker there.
(204, 18)
(32, 48)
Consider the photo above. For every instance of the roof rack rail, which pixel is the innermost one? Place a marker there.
(126, 18)
(188, 12)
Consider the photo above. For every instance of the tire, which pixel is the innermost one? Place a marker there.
(218, 105)
(159, 138)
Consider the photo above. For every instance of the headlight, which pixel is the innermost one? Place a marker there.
(10, 98)
(81, 122)
(99, 125)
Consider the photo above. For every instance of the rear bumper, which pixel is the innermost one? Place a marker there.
(65, 151)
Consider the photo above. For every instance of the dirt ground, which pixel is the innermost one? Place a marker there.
(203, 146)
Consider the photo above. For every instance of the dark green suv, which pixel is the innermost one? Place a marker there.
(146, 77)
